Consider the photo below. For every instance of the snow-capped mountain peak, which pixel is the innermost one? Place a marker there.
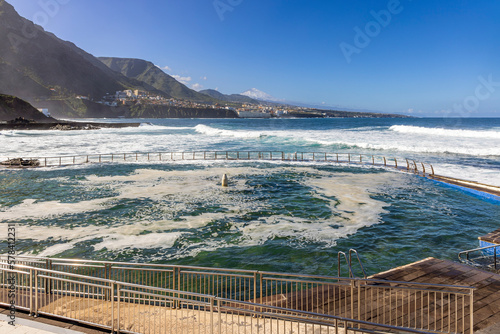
(254, 93)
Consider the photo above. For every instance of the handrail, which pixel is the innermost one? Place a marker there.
(467, 253)
(359, 260)
(328, 317)
(212, 270)
(214, 155)
(339, 256)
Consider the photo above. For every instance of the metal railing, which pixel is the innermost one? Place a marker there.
(348, 262)
(349, 158)
(484, 257)
(131, 308)
(424, 307)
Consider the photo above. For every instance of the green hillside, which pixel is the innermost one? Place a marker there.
(150, 74)
(12, 107)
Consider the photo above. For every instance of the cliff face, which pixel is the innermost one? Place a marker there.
(12, 107)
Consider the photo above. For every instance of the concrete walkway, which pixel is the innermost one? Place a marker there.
(24, 326)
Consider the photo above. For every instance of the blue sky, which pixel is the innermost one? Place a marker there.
(416, 57)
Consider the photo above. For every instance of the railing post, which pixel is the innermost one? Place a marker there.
(124, 158)
(87, 161)
(396, 162)
(212, 306)
(349, 157)
(337, 157)
(423, 168)
(107, 275)
(45, 162)
(60, 161)
(353, 285)
(416, 168)
(255, 288)
(495, 257)
(432, 168)
(385, 162)
(48, 287)
(112, 285)
(148, 156)
(36, 292)
(282, 156)
(159, 156)
(136, 156)
(471, 311)
(74, 160)
(99, 158)
(407, 165)
(360, 158)
(32, 288)
(178, 284)
(112, 157)
(373, 160)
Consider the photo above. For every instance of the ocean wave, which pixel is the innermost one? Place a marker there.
(486, 134)
(208, 130)
(151, 126)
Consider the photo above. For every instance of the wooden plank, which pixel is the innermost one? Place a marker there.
(492, 237)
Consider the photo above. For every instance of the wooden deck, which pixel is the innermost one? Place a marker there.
(492, 237)
(431, 270)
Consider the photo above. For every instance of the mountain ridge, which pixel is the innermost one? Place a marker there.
(147, 72)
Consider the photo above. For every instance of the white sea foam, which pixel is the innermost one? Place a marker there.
(31, 208)
(349, 197)
(484, 134)
(211, 131)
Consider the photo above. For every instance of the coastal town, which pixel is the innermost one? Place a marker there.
(243, 110)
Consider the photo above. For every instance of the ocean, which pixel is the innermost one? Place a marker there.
(279, 216)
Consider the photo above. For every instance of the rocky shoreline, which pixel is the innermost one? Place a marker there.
(64, 126)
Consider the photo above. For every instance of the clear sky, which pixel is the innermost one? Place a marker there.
(417, 57)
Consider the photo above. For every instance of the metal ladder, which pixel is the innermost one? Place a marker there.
(348, 261)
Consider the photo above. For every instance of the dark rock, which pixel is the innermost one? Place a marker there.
(20, 162)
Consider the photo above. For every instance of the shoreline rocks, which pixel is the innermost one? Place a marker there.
(63, 126)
